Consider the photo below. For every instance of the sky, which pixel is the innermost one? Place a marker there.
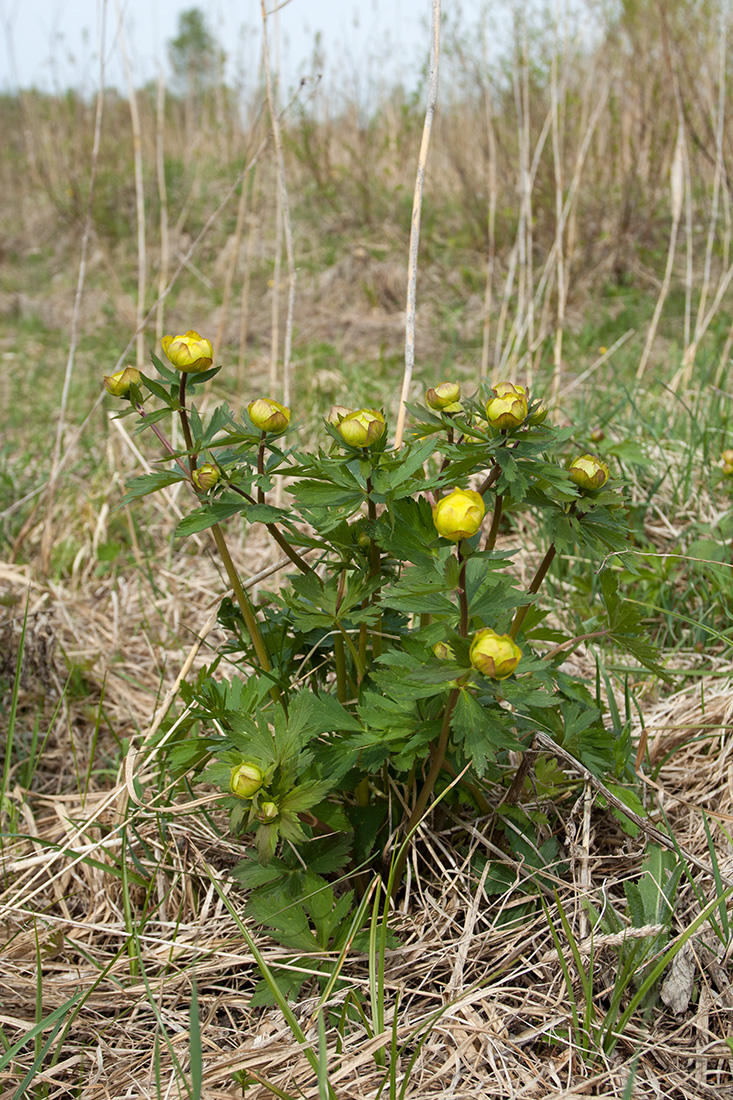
(54, 44)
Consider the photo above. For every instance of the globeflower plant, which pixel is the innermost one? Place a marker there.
(400, 654)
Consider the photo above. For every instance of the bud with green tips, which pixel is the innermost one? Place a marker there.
(362, 428)
(268, 415)
(444, 652)
(459, 515)
(588, 472)
(443, 396)
(494, 655)
(268, 811)
(507, 409)
(246, 780)
(119, 384)
(189, 353)
(205, 477)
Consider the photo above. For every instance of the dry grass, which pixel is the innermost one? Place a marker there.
(113, 884)
(134, 947)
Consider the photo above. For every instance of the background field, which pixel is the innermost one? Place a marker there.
(576, 234)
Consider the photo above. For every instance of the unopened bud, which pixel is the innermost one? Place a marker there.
(597, 435)
(538, 416)
(459, 515)
(362, 428)
(589, 472)
(727, 457)
(269, 415)
(205, 477)
(189, 353)
(119, 384)
(494, 655)
(444, 395)
(246, 780)
(336, 415)
(268, 812)
(443, 651)
(507, 408)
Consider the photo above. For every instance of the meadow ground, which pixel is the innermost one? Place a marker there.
(576, 234)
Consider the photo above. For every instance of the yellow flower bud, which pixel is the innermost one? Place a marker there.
(246, 780)
(507, 408)
(336, 415)
(268, 812)
(459, 515)
(189, 353)
(447, 393)
(597, 435)
(362, 428)
(727, 457)
(589, 472)
(269, 415)
(443, 651)
(119, 384)
(494, 655)
(205, 477)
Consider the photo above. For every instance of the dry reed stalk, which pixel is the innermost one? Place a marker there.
(677, 193)
(284, 203)
(717, 176)
(142, 265)
(236, 241)
(559, 224)
(163, 198)
(48, 534)
(244, 299)
(492, 190)
(415, 223)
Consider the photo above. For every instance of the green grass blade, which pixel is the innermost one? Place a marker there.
(194, 1031)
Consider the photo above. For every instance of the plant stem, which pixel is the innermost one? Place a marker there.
(495, 521)
(339, 659)
(261, 468)
(374, 569)
(184, 421)
(244, 605)
(462, 596)
(436, 766)
(279, 538)
(490, 479)
(166, 443)
(534, 587)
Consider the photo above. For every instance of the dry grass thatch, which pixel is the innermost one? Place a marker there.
(118, 892)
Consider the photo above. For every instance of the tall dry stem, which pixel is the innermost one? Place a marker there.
(47, 539)
(415, 222)
(137, 143)
(677, 179)
(163, 198)
(282, 191)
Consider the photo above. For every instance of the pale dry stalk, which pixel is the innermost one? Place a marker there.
(137, 146)
(677, 191)
(47, 539)
(163, 198)
(415, 222)
(559, 224)
(282, 191)
(492, 190)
